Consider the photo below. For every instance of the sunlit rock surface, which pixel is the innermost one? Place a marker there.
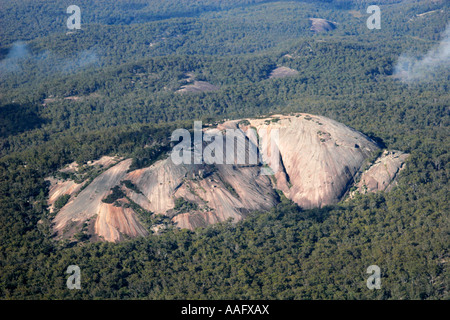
(318, 159)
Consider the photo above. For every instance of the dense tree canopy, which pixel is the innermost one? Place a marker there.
(112, 89)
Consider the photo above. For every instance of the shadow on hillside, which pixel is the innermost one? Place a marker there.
(16, 118)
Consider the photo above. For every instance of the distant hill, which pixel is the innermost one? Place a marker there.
(320, 160)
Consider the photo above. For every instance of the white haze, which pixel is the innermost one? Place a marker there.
(437, 59)
(20, 58)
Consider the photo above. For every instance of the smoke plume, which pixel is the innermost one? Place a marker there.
(436, 60)
(20, 59)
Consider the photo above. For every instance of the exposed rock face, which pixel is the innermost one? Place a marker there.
(282, 72)
(199, 86)
(110, 221)
(113, 222)
(59, 188)
(381, 175)
(321, 25)
(196, 86)
(319, 159)
(218, 191)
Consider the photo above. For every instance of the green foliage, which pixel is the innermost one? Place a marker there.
(147, 156)
(130, 185)
(182, 205)
(54, 110)
(116, 194)
(81, 236)
(230, 188)
(61, 201)
(244, 123)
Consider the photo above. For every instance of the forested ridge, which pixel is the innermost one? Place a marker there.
(112, 89)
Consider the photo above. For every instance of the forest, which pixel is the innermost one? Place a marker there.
(112, 88)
